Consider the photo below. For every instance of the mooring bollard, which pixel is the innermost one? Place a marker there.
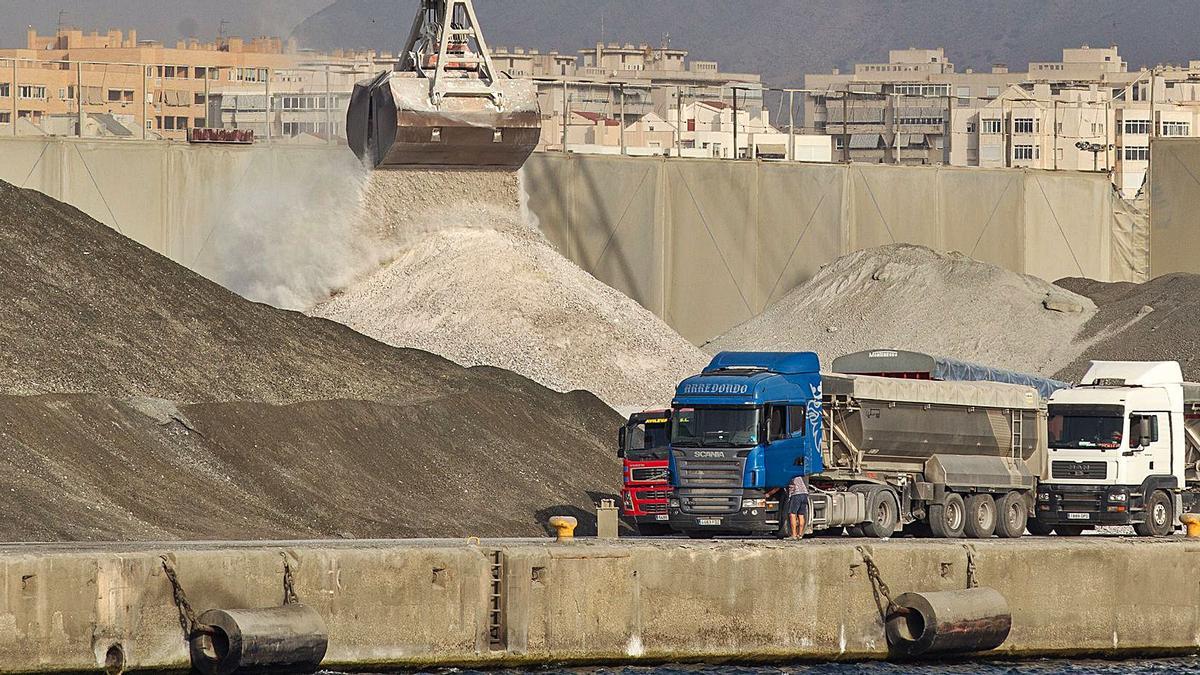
(287, 639)
(606, 520)
(564, 526)
(1191, 522)
(948, 622)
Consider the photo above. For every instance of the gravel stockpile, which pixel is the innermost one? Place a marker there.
(476, 284)
(1154, 321)
(910, 297)
(140, 400)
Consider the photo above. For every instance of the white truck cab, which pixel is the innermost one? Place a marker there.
(1121, 451)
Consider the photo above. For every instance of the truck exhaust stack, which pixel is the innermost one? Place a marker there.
(445, 105)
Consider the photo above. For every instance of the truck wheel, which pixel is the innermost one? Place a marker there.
(1069, 530)
(980, 522)
(883, 512)
(1011, 516)
(1160, 516)
(854, 531)
(653, 529)
(947, 520)
(1038, 528)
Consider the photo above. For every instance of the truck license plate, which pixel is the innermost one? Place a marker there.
(708, 521)
(662, 516)
(1078, 516)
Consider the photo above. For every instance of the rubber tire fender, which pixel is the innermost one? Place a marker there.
(939, 512)
(1011, 516)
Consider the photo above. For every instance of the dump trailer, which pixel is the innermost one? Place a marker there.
(445, 104)
(642, 445)
(912, 365)
(880, 454)
(1124, 449)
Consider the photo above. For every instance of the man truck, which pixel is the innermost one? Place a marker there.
(1124, 449)
(879, 453)
(642, 445)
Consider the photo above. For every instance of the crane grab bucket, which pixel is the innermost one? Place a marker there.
(445, 105)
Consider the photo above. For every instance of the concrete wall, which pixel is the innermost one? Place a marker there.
(1175, 205)
(707, 244)
(406, 604)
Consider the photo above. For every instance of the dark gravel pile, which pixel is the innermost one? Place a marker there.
(140, 401)
(1154, 321)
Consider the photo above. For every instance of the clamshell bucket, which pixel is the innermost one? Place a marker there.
(445, 105)
(394, 123)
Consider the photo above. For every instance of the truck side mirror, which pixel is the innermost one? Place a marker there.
(621, 443)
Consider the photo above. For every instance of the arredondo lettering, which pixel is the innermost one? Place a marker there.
(714, 388)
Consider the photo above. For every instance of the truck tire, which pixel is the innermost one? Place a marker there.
(1038, 528)
(948, 519)
(653, 529)
(1011, 516)
(884, 514)
(1160, 516)
(980, 522)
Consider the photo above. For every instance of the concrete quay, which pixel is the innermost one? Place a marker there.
(73, 607)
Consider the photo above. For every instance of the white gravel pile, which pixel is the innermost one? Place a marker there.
(472, 282)
(910, 297)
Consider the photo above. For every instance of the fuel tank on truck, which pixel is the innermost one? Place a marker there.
(972, 430)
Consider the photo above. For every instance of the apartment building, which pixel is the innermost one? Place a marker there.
(1085, 112)
(164, 91)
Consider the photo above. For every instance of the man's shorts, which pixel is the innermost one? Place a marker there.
(798, 505)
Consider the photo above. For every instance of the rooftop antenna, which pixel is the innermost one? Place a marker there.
(62, 15)
(602, 29)
(666, 41)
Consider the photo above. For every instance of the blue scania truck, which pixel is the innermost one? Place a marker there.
(955, 458)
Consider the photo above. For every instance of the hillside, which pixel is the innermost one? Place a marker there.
(784, 39)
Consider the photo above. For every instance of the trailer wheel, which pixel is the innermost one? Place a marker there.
(948, 519)
(883, 514)
(980, 522)
(1011, 516)
(1160, 517)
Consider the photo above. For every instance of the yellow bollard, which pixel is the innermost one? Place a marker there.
(1192, 522)
(565, 526)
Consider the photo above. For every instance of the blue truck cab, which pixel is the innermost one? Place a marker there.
(750, 422)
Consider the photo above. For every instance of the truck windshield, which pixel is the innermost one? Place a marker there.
(648, 437)
(1075, 431)
(715, 427)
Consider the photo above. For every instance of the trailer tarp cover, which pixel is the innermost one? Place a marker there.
(978, 394)
(899, 361)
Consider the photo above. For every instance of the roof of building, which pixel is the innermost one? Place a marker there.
(597, 117)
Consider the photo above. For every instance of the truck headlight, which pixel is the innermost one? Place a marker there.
(673, 503)
(1043, 496)
(754, 503)
(1118, 497)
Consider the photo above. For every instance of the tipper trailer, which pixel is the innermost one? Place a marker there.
(1124, 449)
(642, 445)
(879, 453)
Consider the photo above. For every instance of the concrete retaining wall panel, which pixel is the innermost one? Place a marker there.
(890, 206)
(1068, 227)
(1175, 205)
(800, 226)
(983, 217)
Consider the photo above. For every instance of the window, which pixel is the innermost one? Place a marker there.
(993, 92)
(715, 427)
(797, 421)
(1137, 127)
(168, 71)
(31, 91)
(776, 422)
(1084, 429)
(1025, 152)
(970, 127)
(1175, 129)
(198, 122)
(1142, 427)
(927, 121)
(922, 89)
(964, 92)
(991, 126)
(1137, 153)
(181, 122)
(5, 118)
(1024, 125)
(120, 95)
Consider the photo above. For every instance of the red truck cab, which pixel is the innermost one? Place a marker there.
(643, 445)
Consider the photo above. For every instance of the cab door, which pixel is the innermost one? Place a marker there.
(788, 433)
(1148, 448)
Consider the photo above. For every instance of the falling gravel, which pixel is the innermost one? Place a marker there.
(472, 281)
(910, 297)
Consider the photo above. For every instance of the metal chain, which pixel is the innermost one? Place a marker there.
(289, 588)
(879, 587)
(187, 616)
(971, 581)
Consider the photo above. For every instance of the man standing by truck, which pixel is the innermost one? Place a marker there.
(797, 505)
